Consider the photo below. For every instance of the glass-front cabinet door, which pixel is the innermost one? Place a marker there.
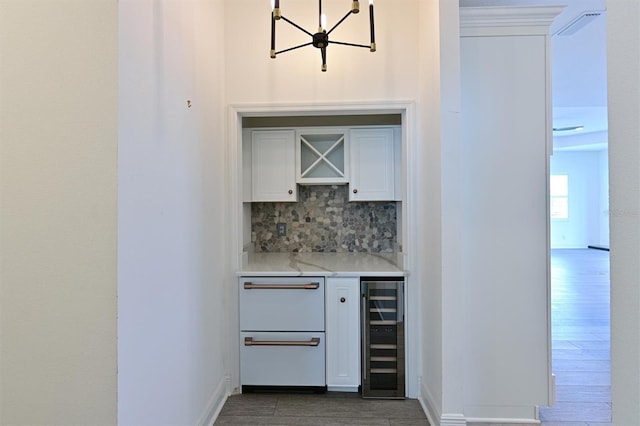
(322, 156)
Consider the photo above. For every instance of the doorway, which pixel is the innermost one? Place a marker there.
(579, 229)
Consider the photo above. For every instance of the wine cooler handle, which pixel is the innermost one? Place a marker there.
(365, 337)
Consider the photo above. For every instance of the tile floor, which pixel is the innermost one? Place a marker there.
(581, 362)
(330, 409)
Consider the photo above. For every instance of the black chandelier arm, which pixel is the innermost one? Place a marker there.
(340, 22)
(293, 48)
(349, 44)
(320, 39)
(296, 25)
(323, 53)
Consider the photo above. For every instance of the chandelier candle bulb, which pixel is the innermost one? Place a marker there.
(323, 22)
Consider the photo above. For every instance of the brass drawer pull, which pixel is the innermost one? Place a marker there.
(308, 286)
(248, 341)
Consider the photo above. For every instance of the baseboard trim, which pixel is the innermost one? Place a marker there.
(343, 388)
(433, 413)
(500, 421)
(426, 401)
(599, 248)
(450, 419)
(216, 402)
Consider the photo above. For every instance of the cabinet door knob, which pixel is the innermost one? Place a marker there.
(355, 191)
(342, 300)
(290, 191)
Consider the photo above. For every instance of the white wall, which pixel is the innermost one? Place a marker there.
(58, 196)
(587, 201)
(623, 47)
(353, 75)
(505, 257)
(414, 53)
(173, 266)
(355, 79)
(437, 212)
(58, 106)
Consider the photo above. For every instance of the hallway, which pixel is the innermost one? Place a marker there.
(581, 363)
(580, 338)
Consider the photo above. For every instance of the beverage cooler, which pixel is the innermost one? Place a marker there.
(383, 371)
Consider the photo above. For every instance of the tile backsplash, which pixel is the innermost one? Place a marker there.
(323, 220)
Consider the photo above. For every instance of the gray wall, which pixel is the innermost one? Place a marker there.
(58, 109)
(623, 60)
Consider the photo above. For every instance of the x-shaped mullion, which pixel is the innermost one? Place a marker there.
(322, 156)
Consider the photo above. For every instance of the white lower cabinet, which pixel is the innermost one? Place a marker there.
(342, 316)
(282, 338)
(282, 359)
(300, 331)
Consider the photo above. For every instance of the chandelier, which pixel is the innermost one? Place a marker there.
(320, 39)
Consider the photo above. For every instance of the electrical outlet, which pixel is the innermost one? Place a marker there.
(281, 229)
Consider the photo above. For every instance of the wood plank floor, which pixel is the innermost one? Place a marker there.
(580, 338)
(581, 362)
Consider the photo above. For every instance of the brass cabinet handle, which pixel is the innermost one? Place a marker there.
(308, 286)
(248, 341)
(290, 191)
(342, 300)
(355, 191)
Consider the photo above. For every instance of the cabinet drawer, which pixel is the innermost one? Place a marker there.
(282, 359)
(282, 304)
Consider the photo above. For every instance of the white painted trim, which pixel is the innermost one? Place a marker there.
(413, 327)
(432, 411)
(487, 21)
(234, 123)
(429, 407)
(407, 110)
(451, 419)
(500, 421)
(216, 402)
(551, 380)
(310, 109)
(346, 389)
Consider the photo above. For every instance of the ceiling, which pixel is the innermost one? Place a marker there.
(579, 77)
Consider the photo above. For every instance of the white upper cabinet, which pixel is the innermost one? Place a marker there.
(273, 165)
(366, 158)
(322, 156)
(374, 154)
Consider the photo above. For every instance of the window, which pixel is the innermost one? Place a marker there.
(559, 191)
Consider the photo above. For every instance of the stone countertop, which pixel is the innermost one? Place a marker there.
(326, 264)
